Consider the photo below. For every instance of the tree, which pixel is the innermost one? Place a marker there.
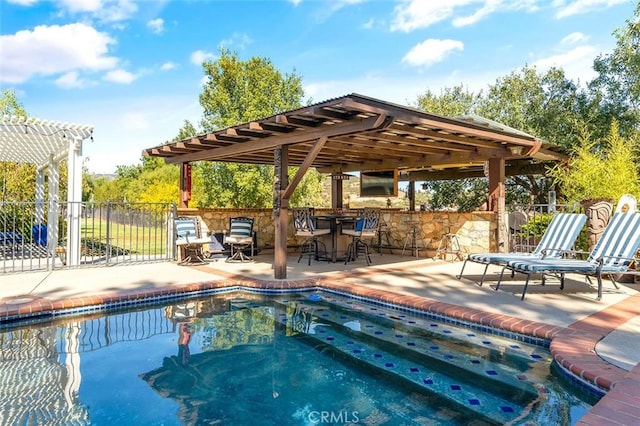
(9, 104)
(593, 172)
(617, 86)
(451, 102)
(236, 92)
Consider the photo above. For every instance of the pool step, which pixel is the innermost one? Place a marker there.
(482, 362)
(464, 394)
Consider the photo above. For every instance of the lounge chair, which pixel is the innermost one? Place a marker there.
(189, 241)
(557, 240)
(611, 255)
(240, 237)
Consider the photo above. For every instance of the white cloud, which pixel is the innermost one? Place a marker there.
(71, 80)
(199, 56)
(577, 7)
(156, 25)
(414, 14)
(51, 50)
(120, 76)
(104, 10)
(577, 63)
(431, 51)
(23, 2)
(574, 38)
(489, 7)
(411, 15)
(239, 40)
(167, 66)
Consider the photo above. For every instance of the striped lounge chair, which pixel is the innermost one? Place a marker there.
(558, 239)
(188, 240)
(612, 255)
(240, 237)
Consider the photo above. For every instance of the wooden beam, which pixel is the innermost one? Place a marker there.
(274, 141)
(304, 167)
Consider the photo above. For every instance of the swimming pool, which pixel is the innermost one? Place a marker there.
(283, 359)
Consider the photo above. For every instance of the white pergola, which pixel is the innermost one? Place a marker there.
(45, 144)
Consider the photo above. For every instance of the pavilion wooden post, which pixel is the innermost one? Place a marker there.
(282, 191)
(185, 185)
(496, 202)
(336, 193)
(411, 193)
(280, 211)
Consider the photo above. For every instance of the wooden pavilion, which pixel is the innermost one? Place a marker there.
(360, 133)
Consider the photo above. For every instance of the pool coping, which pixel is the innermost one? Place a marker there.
(572, 347)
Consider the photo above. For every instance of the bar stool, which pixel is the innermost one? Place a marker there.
(366, 227)
(304, 223)
(412, 238)
(449, 244)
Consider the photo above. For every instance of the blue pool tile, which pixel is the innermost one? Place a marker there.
(492, 372)
(446, 331)
(378, 332)
(507, 409)
(357, 351)
(399, 336)
(329, 338)
(474, 402)
(434, 347)
(486, 342)
(475, 361)
(427, 381)
(388, 364)
(414, 370)
(377, 355)
(536, 356)
(455, 387)
(411, 344)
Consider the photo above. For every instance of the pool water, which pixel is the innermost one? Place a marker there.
(250, 359)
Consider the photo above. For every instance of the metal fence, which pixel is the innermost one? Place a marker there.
(528, 223)
(110, 233)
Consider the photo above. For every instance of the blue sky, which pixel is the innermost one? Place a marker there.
(133, 68)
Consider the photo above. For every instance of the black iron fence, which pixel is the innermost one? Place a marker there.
(109, 233)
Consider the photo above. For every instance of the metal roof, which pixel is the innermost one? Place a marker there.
(35, 141)
(363, 133)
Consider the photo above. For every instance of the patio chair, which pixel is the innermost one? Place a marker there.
(366, 227)
(557, 240)
(189, 241)
(239, 238)
(612, 254)
(304, 223)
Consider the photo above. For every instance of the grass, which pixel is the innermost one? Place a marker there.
(123, 239)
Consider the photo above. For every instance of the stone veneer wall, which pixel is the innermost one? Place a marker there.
(476, 231)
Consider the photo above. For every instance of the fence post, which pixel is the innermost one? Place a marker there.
(108, 232)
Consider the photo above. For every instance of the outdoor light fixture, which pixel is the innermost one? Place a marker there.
(340, 176)
(516, 149)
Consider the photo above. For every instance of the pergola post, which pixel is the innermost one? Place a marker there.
(496, 202)
(40, 199)
(185, 185)
(52, 217)
(280, 211)
(74, 201)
